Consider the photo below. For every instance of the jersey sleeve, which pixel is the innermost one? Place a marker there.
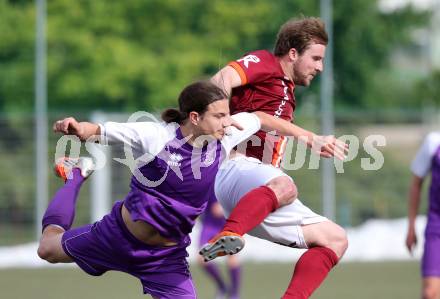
(142, 137)
(250, 123)
(253, 67)
(421, 164)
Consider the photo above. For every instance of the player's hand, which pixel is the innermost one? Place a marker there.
(329, 146)
(411, 240)
(68, 126)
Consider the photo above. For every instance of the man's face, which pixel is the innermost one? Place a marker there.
(215, 119)
(308, 64)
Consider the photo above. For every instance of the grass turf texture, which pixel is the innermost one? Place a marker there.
(260, 281)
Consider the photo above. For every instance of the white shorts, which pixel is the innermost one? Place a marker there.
(240, 175)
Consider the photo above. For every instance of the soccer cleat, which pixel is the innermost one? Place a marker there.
(63, 167)
(222, 244)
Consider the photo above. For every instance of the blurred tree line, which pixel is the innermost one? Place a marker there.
(138, 54)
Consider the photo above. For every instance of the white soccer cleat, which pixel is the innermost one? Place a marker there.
(63, 167)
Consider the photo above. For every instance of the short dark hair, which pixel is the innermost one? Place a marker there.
(194, 97)
(299, 34)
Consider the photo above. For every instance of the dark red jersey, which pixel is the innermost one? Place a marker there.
(264, 87)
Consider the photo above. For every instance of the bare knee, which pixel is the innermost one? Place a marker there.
(339, 241)
(431, 292)
(46, 252)
(327, 234)
(50, 248)
(284, 188)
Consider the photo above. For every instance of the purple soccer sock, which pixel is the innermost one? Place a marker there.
(61, 210)
(234, 273)
(214, 272)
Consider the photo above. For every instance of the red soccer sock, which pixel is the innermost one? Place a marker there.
(310, 271)
(251, 210)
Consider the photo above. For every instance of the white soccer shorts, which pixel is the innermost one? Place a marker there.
(241, 174)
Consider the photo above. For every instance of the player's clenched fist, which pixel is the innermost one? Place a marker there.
(68, 126)
(83, 130)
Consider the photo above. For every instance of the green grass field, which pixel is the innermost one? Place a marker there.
(260, 281)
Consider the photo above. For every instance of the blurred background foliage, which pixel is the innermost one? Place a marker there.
(138, 54)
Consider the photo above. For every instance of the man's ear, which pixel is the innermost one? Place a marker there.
(194, 118)
(293, 54)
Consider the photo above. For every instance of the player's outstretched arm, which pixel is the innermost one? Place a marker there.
(227, 78)
(413, 209)
(70, 126)
(283, 127)
(326, 146)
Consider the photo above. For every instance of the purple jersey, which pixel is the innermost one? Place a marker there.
(428, 160)
(209, 218)
(211, 223)
(434, 192)
(173, 206)
(172, 180)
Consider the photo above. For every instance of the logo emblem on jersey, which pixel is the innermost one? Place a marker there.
(283, 101)
(209, 158)
(174, 160)
(249, 58)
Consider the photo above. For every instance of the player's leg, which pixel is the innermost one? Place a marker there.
(248, 191)
(235, 276)
(61, 210)
(210, 227)
(431, 288)
(326, 234)
(297, 226)
(259, 202)
(261, 189)
(327, 243)
(431, 265)
(282, 225)
(285, 226)
(214, 273)
(50, 248)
